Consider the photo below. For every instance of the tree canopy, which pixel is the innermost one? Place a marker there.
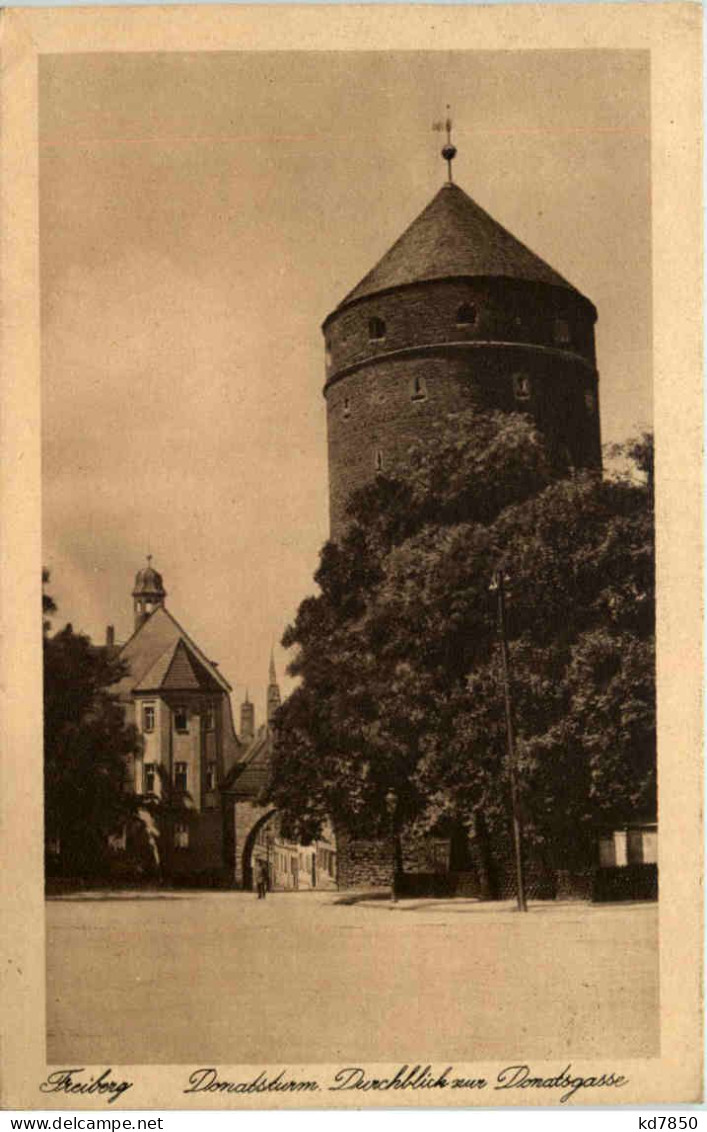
(86, 748)
(400, 691)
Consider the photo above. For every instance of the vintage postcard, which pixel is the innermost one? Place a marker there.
(351, 420)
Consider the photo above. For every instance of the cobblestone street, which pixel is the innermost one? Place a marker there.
(222, 978)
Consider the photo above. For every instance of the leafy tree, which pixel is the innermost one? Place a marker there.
(398, 655)
(580, 622)
(48, 603)
(86, 749)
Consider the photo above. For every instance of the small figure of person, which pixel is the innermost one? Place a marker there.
(263, 880)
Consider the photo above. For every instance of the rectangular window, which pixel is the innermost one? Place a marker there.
(180, 776)
(181, 722)
(210, 718)
(650, 846)
(620, 847)
(148, 717)
(211, 776)
(181, 835)
(634, 847)
(148, 778)
(118, 841)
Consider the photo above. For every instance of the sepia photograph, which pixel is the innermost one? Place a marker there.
(352, 779)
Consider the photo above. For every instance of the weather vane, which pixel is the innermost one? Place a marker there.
(449, 151)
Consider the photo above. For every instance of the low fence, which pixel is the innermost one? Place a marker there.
(625, 882)
(601, 885)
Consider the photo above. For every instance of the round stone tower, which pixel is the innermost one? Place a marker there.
(457, 313)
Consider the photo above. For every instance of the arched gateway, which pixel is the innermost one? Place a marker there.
(290, 866)
(252, 832)
(257, 846)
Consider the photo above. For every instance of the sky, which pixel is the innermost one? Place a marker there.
(202, 213)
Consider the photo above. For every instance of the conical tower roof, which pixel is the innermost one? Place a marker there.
(454, 237)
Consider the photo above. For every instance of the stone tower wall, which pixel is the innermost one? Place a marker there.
(403, 359)
(383, 394)
(504, 310)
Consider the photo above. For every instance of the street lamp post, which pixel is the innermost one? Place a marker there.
(391, 805)
(498, 586)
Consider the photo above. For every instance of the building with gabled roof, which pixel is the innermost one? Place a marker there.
(204, 819)
(180, 704)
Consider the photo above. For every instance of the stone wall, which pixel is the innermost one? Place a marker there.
(369, 863)
(383, 396)
(379, 411)
(489, 872)
(363, 864)
(501, 310)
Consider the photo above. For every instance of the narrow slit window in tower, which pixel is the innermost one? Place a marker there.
(346, 409)
(521, 386)
(419, 389)
(376, 329)
(379, 460)
(562, 332)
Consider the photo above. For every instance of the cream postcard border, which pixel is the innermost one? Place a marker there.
(672, 34)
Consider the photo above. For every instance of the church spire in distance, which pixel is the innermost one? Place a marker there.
(274, 699)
